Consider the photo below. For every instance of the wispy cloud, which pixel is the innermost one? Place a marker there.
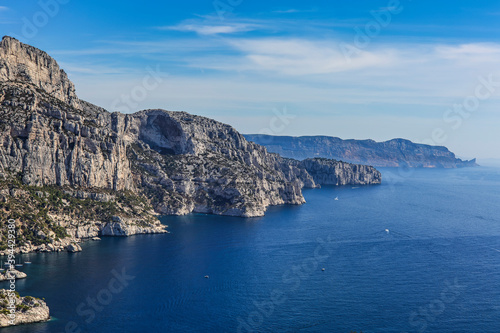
(7, 20)
(294, 11)
(471, 51)
(92, 69)
(407, 85)
(302, 57)
(212, 29)
(292, 57)
(173, 47)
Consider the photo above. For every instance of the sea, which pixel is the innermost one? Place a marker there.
(419, 253)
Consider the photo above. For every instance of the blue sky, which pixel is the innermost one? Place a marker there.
(364, 69)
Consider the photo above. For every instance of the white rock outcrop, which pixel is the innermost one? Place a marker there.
(27, 309)
(73, 247)
(12, 273)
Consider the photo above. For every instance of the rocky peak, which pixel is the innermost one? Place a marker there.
(24, 63)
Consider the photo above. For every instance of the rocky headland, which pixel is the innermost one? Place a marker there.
(70, 170)
(17, 310)
(392, 153)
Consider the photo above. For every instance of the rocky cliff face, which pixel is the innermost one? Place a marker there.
(194, 164)
(24, 63)
(325, 172)
(67, 155)
(392, 153)
(51, 143)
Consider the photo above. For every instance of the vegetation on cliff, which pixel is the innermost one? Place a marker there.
(74, 170)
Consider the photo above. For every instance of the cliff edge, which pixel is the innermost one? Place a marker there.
(70, 169)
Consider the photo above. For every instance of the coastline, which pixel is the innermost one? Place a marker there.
(19, 310)
(25, 309)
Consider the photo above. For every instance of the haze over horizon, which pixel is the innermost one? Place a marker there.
(379, 70)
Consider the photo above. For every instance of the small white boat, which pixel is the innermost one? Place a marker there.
(323, 269)
(207, 277)
(387, 230)
(336, 199)
(19, 264)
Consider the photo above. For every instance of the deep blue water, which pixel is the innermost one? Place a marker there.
(436, 270)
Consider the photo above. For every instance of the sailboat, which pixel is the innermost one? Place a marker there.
(19, 264)
(1, 267)
(27, 262)
(336, 198)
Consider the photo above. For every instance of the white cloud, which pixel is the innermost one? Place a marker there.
(210, 29)
(302, 57)
(472, 51)
(3, 8)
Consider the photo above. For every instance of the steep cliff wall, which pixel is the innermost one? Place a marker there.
(326, 172)
(24, 63)
(189, 163)
(51, 143)
(67, 155)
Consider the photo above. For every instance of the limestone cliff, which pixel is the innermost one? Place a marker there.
(24, 63)
(85, 171)
(325, 172)
(392, 153)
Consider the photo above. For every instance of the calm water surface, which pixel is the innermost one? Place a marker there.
(435, 269)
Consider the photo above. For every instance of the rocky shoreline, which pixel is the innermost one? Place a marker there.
(27, 309)
(32, 310)
(72, 244)
(12, 273)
